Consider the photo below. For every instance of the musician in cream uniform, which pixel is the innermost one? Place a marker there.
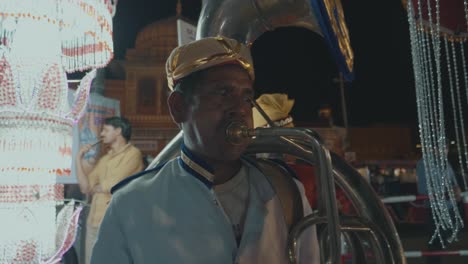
(209, 205)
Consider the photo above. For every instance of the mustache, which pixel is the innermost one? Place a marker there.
(228, 122)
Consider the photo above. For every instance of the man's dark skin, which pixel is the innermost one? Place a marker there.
(221, 96)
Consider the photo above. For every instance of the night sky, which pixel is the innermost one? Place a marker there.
(381, 93)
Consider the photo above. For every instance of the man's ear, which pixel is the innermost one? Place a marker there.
(119, 130)
(177, 106)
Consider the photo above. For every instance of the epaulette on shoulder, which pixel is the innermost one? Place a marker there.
(127, 180)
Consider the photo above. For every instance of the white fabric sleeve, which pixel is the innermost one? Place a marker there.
(111, 245)
(309, 251)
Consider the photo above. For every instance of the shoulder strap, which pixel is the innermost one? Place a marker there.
(285, 188)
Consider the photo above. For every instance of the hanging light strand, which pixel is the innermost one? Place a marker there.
(427, 64)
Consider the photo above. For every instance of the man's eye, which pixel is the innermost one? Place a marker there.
(222, 92)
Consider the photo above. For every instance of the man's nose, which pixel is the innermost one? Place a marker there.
(239, 106)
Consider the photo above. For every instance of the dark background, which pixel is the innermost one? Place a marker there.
(296, 61)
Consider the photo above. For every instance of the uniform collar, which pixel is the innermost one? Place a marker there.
(196, 166)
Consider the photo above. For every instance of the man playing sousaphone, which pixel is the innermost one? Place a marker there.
(278, 106)
(209, 205)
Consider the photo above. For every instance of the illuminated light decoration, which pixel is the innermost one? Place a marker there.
(80, 31)
(67, 228)
(438, 32)
(40, 42)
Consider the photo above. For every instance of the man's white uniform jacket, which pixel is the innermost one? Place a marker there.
(171, 215)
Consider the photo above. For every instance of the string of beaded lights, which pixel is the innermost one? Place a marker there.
(40, 42)
(438, 33)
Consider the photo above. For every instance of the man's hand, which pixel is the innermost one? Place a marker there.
(97, 189)
(83, 150)
(457, 193)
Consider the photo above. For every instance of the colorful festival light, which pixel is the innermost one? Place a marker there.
(40, 42)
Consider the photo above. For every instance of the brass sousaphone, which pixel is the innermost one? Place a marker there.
(370, 235)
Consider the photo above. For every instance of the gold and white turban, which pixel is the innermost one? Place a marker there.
(277, 107)
(205, 53)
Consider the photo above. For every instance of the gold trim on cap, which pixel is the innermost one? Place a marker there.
(232, 51)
